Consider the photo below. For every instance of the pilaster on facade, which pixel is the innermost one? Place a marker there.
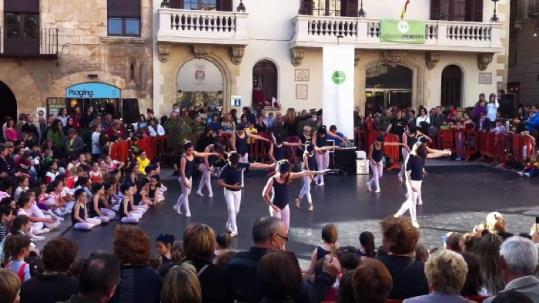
(236, 53)
(483, 60)
(357, 55)
(431, 59)
(296, 55)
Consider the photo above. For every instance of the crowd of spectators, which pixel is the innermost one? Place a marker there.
(488, 264)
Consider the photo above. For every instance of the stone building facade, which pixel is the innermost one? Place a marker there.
(75, 47)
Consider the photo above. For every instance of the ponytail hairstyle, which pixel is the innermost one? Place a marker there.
(366, 239)
(330, 236)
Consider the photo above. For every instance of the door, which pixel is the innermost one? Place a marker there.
(400, 98)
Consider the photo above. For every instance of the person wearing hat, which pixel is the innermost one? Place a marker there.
(415, 170)
(231, 180)
(309, 164)
(239, 142)
(275, 192)
(376, 154)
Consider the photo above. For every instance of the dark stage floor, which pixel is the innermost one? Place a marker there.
(456, 198)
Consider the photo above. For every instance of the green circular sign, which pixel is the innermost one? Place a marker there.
(338, 77)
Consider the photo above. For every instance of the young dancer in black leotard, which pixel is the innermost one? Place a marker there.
(239, 142)
(376, 154)
(276, 190)
(207, 167)
(278, 147)
(186, 170)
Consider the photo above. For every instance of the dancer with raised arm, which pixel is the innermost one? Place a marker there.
(231, 180)
(185, 172)
(277, 151)
(320, 139)
(376, 154)
(276, 190)
(239, 142)
(415, 171)
(409, 138)
(309, 164)
(207, 168)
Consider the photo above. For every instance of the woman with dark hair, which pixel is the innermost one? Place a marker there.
(69, 125)
(280, 277)
(415, 170)
(10, 133)
(198, 248)
(63, 116)
(276, 194)
(367, 248)
(139, 282)
(473, 283)
(488, 252)
(186, 171)
(55, 133)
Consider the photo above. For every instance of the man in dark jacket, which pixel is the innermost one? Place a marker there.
(74, 143)
(270, 234)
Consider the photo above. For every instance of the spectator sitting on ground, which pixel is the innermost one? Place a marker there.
(53, 285)
(518, 265)
(446, 273)
(400, 239)
(98, 280)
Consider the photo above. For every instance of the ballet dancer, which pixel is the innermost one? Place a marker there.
(320, 139)
(309, 164)
(277, 151)
(409, 138)
(415, 171)
(186, 170)
(239, 142)
(376, 154)
(207, 168)
(275, 192)
(231, 180)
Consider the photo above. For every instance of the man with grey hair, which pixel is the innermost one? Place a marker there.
(518, 265)
(270, 233)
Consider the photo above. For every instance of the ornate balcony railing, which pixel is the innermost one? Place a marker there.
(316, 31)
(44, 45)
(207, 27)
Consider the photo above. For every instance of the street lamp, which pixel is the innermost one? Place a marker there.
(361, 13)
(494, 17)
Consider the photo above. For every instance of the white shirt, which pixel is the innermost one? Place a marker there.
(492, 110)
(96, 148)
(160, 131)
(420, 119)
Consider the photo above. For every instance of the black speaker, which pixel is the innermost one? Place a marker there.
(130, 110)
(345, 161)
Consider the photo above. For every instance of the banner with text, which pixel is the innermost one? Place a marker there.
(338, 88)
(402, 31)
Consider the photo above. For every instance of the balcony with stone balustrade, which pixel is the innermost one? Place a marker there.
(451, 36)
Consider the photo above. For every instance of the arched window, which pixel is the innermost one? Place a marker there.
(265, 82)
(452, 86)
(9, 103)
(200, 83)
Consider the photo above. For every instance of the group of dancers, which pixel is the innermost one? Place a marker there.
(315, 163)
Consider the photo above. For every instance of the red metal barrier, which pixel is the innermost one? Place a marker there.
(153, 146)
(472, 143)
(529, 147)
(259, 150)
(392, 151)
(119, 151)
(446, 139)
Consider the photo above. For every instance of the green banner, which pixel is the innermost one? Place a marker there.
(401, 31)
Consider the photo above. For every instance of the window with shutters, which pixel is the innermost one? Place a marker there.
(22, 29)
(124, 18)
(457, 10)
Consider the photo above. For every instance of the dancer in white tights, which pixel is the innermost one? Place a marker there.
(415, 170)
(231, 180)
(207, 168)
(409, 138)
(376, 154)
(275, 192)
(186, 170)
(320, 139)
(309, 164)
(239, 142)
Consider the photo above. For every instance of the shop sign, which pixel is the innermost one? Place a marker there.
(93, 90)
(402, 31)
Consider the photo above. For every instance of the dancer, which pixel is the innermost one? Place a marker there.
(309, 164)
(239, 142)
(320, 139)
(415, 170)
(277, 151)
(276, 190)
(409, 138)
(231, 180)
(376, 154)
(207, 168)
(79, 215)
(186, 170)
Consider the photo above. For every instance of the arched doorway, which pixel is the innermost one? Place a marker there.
(8, 103)
(388, 85)
(451, 86)
(200, 83)
(265, 83)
